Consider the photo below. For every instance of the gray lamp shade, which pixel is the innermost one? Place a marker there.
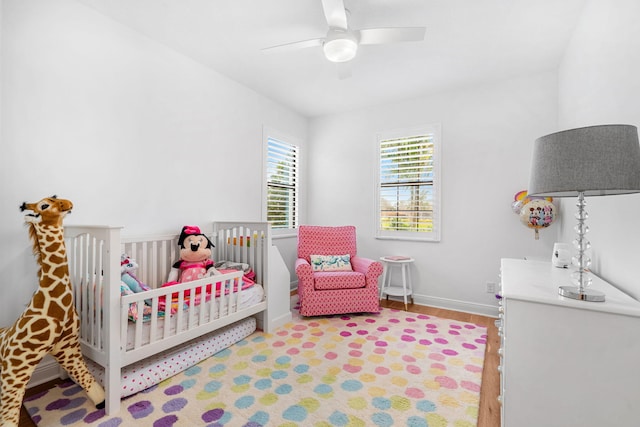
(596, 160)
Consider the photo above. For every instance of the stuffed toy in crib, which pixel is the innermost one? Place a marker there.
(128, 268)
(195, 257)
(130, 284)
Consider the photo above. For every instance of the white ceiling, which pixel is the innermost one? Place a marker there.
(468, 42)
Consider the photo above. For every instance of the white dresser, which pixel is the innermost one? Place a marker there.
(566, 363)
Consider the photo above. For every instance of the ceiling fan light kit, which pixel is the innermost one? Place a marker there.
(341, 43)
(340, 46)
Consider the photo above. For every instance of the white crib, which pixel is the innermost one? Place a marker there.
(114, 343)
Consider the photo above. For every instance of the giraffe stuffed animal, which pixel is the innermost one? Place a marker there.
(50, 323)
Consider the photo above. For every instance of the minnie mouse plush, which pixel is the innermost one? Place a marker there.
(195, 257)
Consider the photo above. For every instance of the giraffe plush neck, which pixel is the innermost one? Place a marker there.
(50, 323)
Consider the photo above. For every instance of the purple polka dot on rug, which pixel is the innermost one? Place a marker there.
(441, 341)
(113, 422)
(381, 343)
(175, 389)
(167, 421)
(425, 342)
(407, 338)
(73, 417)
(450, 352)
(174, 405)
(345, 334)
(72, 390)
(57, 404)
(469, 346)
(94, 416)
(212, 415)
(370, 320)
(383, 329)
(140, 409)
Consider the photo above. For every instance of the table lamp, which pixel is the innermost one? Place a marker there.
(590, 161)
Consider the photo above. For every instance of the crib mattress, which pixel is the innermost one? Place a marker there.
(146, 373)
(248, 297)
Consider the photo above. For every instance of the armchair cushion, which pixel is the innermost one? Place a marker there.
(338, 280)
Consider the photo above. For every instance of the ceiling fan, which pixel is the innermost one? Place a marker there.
(341, 42)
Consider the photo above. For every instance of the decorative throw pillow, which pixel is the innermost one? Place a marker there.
(331, 262)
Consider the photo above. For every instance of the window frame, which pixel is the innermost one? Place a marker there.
(271, 134)
(435, 234)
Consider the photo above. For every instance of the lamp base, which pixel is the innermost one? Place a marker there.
(586, 295)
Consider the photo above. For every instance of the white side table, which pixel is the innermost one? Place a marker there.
(405, 290)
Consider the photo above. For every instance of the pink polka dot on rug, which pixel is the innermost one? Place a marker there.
(447, 382)
(381, 370)
(414, 393)
(468, 385)
(414, 369)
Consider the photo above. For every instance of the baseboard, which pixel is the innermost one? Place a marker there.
(46, 371)
(281, 320)
(457, 305)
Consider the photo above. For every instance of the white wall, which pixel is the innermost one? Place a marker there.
(599, 82)
(135, 134)
(487, 137)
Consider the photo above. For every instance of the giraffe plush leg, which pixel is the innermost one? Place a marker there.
(22, 347)
(12, 388)
(69, 355)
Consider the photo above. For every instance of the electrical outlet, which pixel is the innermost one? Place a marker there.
(491, 288)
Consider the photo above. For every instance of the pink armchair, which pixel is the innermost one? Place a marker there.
(335, 292)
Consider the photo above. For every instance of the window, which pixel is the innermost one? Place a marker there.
(409, 184)
(282, 184)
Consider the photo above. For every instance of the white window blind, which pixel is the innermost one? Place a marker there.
(408, 187)
(282, 184)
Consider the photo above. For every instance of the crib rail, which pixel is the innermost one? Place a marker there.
(244, 242)
(93, 259)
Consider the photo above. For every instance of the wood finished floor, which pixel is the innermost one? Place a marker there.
(489, 415)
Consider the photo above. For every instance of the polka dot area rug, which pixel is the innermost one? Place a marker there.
(390, 369)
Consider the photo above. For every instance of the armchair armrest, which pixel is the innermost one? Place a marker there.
(370, 268)
(305, 276)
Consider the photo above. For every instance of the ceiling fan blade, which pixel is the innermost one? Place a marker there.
(344, 70)
(293, 46)
(390, 35)
(335, 13)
